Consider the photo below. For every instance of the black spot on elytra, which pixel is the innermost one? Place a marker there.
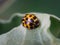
(34, 17)
(31, 24)
(26, 18)
(35, 26)
(30, 15)
(37, 22)
(26, 26)
(31, 27)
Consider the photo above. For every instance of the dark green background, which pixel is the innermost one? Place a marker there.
(24, 6)
(45, 6)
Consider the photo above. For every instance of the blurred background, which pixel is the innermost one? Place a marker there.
(24, 6)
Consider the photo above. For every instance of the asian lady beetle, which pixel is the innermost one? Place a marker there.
(30, 21)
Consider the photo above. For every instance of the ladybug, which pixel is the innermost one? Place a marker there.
(30, 21)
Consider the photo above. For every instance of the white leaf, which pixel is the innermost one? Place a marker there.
(39, 36)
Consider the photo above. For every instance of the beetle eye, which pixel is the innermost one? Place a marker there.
(30, 21)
